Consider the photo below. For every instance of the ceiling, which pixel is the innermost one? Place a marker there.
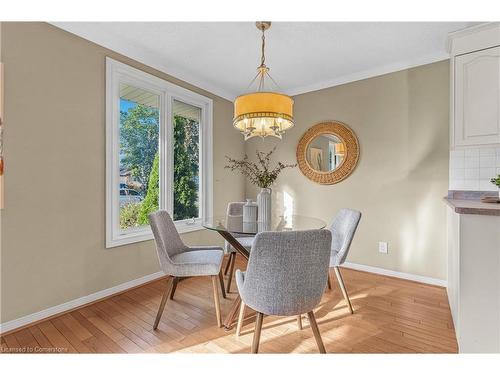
(222, 57)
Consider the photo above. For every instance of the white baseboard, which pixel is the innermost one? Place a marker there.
(70, 305)
(401, 275)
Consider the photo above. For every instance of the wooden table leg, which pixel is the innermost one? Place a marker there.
(233, 312)
(231, 316)
(234, 243)
(231, 273)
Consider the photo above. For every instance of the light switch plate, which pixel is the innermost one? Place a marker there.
(382, 247)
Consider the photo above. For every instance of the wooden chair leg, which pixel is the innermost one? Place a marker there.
(240, 319)
(216, 300)
(343, 289)
(221, 281)
(166, 293)
(315, 329)
(231, 272)
(174, 287)
(256, 335)
(229, 258)
(329, 282)
(299, 322)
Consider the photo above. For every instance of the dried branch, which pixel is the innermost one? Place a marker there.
(258, 173)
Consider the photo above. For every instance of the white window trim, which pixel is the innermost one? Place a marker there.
(116, 73)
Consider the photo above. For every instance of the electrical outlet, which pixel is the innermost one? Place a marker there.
(382, 247)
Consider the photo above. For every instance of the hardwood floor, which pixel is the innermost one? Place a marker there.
(390, 316)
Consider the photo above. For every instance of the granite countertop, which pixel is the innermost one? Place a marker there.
(469, 202)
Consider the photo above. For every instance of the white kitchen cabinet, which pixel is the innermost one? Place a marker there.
(475, 86)
(474, 281)
(477, 98)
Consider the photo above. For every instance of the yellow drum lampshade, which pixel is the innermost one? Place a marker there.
(339, 148)
(263, 114)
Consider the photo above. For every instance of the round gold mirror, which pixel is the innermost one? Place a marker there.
(328, 152)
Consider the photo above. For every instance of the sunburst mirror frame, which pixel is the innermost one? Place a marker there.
(349, 162)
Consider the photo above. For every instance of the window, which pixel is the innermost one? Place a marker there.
(186, 160)
(158, 154)
(138, 140)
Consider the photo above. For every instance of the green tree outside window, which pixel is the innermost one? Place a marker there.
(139, 143)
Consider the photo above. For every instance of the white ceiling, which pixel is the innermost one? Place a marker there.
(221, 57)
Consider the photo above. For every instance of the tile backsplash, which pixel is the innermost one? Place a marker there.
(472, 168)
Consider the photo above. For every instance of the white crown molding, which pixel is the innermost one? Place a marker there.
(370, 73)
(71, 305)
(399, 275)
(474, 38)
(469, 31)
(142, 55)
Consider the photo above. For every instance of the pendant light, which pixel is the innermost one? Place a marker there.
(263, 113)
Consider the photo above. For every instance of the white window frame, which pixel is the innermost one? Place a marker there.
(116, 73)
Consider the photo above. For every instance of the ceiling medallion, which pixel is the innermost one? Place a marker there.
(263, 113)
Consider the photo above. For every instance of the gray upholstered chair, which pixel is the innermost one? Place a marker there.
(178, 260)
(343, 227)
(234, 212)
(286, 275)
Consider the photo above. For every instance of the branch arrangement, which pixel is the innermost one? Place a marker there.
(259, 173)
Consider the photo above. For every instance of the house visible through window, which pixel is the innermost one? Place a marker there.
(159, 154)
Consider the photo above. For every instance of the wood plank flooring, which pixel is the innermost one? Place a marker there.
(390, 316)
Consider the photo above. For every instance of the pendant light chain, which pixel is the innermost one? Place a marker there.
(262, 68)
(263, 56)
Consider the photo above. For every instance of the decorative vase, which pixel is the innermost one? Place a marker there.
(250, 212)
(250, 227)
(264, 205)
(264, 226)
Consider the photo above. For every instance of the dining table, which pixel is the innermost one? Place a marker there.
(237, 226)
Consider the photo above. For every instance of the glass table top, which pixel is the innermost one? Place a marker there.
(277, 224)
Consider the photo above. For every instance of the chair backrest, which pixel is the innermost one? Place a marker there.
(287, 271)
(343, 228)
(235, 208)
(168, 241)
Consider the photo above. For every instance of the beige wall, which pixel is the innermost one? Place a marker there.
(401, 120)
(53, 224)
(53, 229)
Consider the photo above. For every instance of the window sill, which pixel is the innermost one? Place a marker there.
(129, 238)
(189, 228)
(186, 226)
(146, 234)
